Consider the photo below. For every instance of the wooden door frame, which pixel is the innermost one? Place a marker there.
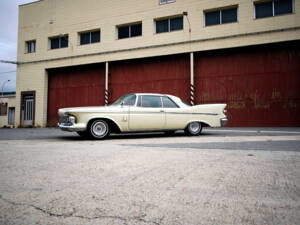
(23, 94)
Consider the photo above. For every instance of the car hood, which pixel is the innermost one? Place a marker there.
(89, 109)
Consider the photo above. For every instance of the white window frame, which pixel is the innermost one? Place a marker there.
(273, 8)
(59, 41)
(169, 23)
(220, 11)
(129, 30)
(32, 45)
(90, 32)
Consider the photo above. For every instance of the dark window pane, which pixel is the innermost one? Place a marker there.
(263, 10)
(139, 103)
(176, 23)
(212, 18)
(85, 38)
(229, 15)
(151, 101)
(95, 36)
(130, 100)
(283, 6)
(123, 32)
(54, 43)
(136, 30)
(162, 26)
(64, 42)
(168, 103)
(30, 46)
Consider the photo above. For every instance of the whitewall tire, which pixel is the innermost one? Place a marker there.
(194, 128)
(98, 129)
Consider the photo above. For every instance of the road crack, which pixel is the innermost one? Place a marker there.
(73, 214)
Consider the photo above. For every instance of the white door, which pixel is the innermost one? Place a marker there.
(147, 115)
(27, 111)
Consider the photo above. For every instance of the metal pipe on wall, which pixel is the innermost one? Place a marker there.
(106, 84)
(192, 87)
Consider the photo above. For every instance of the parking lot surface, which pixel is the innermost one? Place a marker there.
(224, 176)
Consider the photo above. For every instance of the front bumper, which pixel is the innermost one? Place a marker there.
(71, 128)
(223, 121)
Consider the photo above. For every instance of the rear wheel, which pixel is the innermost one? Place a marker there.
(98, 129)
(193, 128)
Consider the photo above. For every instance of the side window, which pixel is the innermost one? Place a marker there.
(151, 101)
(168, 103)
(130, 100)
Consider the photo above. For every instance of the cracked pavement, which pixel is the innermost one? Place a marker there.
(225, 176)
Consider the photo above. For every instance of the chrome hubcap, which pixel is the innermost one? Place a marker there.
(99, 129)
(194, 127)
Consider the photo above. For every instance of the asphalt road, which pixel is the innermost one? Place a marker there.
(225, 176)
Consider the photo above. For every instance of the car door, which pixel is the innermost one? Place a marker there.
(148, 114)
(176, 117)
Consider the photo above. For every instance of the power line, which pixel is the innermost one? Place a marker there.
(7, 61)
(13, 71)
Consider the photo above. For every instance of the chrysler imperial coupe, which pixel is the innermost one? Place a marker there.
(139, 113)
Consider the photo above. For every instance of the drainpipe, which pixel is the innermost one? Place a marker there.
(192, 87)
(106, 84)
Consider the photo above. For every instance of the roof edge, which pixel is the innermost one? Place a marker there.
(29, 3)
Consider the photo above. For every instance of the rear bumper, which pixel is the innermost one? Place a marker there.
(223, 121)
(71, 128)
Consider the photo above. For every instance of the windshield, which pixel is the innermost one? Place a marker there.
(128, 100)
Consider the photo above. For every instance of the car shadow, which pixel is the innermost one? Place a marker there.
(130, 136)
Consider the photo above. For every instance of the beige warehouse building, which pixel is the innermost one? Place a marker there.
(78, 53)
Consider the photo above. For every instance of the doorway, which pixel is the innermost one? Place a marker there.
(27, 108)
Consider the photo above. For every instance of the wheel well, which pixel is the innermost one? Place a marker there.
(114, 128)
(202, 124)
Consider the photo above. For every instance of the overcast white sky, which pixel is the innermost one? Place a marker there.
(8, 41)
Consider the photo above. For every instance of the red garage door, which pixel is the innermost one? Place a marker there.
(75, 86)
(167, 75)
(259, 84)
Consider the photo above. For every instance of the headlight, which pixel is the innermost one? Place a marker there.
(72, 119)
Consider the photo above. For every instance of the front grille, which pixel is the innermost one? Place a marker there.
(63, 119)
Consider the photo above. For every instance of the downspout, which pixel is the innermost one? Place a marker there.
(106, 84)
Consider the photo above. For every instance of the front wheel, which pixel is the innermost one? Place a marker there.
(193, 128)
(98, 129)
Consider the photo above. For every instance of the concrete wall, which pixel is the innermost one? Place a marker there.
(47, 18)
(11, 102)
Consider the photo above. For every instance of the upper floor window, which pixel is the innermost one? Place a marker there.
(59, 42)
(30, 46)
(89, 37)
(127, 31)
(221, 16)
(161, 2)
(170, 24)
(273, 8)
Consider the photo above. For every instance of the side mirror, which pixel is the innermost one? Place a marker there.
(122, 104)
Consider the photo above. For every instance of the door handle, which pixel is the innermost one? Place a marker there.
(162, 111)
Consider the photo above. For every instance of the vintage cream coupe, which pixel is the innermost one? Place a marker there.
(139, 113)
